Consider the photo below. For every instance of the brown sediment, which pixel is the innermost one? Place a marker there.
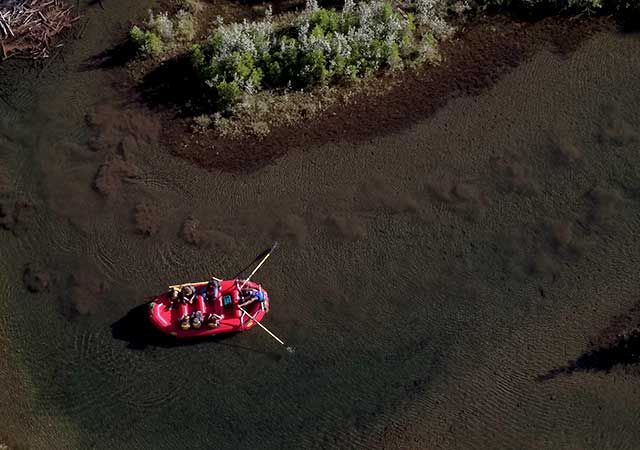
(146, 219)
(85, 291)
(291, 227)
(14, 214)
(377, 192)
(193, 232)
(487, 50)
(615, 129)
(110, 174)
(606, 204)
(121, 131)
(36, 278)
(514, 174)
(346, 228)
(200, 235)
(4, 180)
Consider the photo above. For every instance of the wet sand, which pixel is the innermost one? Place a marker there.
(436, 281)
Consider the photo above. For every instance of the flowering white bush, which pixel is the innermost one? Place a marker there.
(185, 29)
(318, 47)
(161, 24)
(429, 13)
(160, 32)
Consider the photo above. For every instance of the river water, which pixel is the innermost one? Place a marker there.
(428, 280)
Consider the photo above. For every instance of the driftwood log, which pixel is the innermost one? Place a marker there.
(28, 27)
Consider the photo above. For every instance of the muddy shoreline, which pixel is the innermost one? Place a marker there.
(489, 48)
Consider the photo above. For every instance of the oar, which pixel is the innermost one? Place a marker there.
(193, 282)
(289, 349)
(275, 245)
(255, 260)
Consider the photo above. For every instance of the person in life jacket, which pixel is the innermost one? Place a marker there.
(196, 319)
(213, 290)
(213, 321)
(188, 294)
(250, 296)
(174, 296)
(184, 322)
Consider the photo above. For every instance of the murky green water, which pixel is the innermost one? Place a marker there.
(425, 279)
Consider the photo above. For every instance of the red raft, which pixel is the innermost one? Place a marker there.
(166, 316)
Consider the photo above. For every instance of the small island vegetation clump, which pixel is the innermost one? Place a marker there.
(319, 47)
(247, 70)
(252, 75)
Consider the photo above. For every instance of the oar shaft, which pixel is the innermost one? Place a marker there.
(257, 267)
(193, 282)
(262, 326)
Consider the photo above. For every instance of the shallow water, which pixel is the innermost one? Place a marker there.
(426, 279)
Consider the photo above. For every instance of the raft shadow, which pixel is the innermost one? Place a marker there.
(625, 351)
(136, 329)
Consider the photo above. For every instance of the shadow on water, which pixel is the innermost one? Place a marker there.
(136, 329)
(173, 84)
(111, 58)
(625, 351)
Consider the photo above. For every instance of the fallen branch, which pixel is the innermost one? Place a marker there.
(29, 27)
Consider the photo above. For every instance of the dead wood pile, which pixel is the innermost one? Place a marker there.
(28, 28)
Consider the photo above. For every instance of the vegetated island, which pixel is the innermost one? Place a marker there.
(266, 70)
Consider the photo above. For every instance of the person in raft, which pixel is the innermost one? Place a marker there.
(213, 321)
(196, 319)
(184, 322)
(212, 291)
(188, 294)
(174, 296)
(250, 296)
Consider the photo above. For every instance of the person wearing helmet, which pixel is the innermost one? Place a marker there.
(213, 321)
(196, 319)
(184, 322)
(174, 296)
(188, 294)
(213, 290)
(252, 295)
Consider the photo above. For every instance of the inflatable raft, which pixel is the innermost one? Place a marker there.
(166, 314)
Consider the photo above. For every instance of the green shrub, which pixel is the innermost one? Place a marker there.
(319, 47)
(184, 26)
(147, 42)
(160, 33)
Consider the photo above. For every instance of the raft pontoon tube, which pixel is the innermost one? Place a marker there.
(166, 316)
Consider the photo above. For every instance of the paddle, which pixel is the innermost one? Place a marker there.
(288, 348)
(192, 282)
(256, 259)
(273, 247)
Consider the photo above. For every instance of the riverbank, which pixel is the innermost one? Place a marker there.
(487, 49)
